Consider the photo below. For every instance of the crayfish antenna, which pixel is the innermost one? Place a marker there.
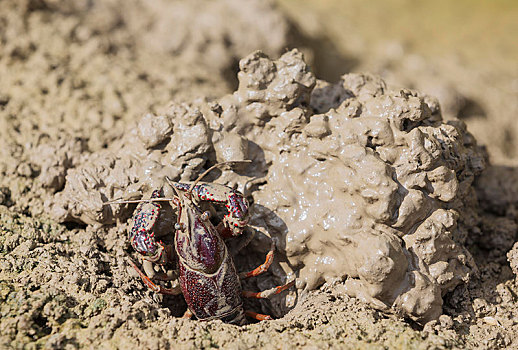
(176, 199)
(214, 167)
(118, 201)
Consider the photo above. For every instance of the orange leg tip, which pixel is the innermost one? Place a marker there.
(147, 281)
(267, 293)
(259, 317)
(248, 294)
(187, 314)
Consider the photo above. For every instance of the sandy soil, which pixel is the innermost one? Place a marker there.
(77, 76)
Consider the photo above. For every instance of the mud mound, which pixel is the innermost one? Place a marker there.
(365, 188)
(358, 181)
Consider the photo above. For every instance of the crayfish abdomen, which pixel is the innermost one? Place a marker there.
(216, 296)
(208, 277)
(212, 293)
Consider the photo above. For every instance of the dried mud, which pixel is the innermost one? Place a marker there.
(380, 207)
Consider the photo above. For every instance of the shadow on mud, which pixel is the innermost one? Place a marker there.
(489, 241)
(327, 61)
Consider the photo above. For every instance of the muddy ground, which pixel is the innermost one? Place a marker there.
(78, 73)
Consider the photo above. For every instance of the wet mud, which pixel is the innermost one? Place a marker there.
(389, 213)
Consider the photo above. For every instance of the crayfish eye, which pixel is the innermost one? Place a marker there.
(205, 216)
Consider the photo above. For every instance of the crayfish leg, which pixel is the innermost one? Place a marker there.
(265, 294)
(261, 268)
(258, 317)
(150, 272)
(155, 288)
(187, 314)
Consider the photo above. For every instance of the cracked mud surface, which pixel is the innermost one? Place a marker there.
(86, 117)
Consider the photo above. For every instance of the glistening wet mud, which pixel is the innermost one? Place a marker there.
(428, 212)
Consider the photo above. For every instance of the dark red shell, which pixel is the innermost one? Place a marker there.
(212, 296)
(208, 278)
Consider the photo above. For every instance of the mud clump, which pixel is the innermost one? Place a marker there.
(512, 256)
(361, 186)
(64, 61)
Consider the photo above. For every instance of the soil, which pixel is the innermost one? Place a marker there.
(100, 100)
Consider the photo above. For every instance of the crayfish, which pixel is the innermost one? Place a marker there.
(208, 277)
